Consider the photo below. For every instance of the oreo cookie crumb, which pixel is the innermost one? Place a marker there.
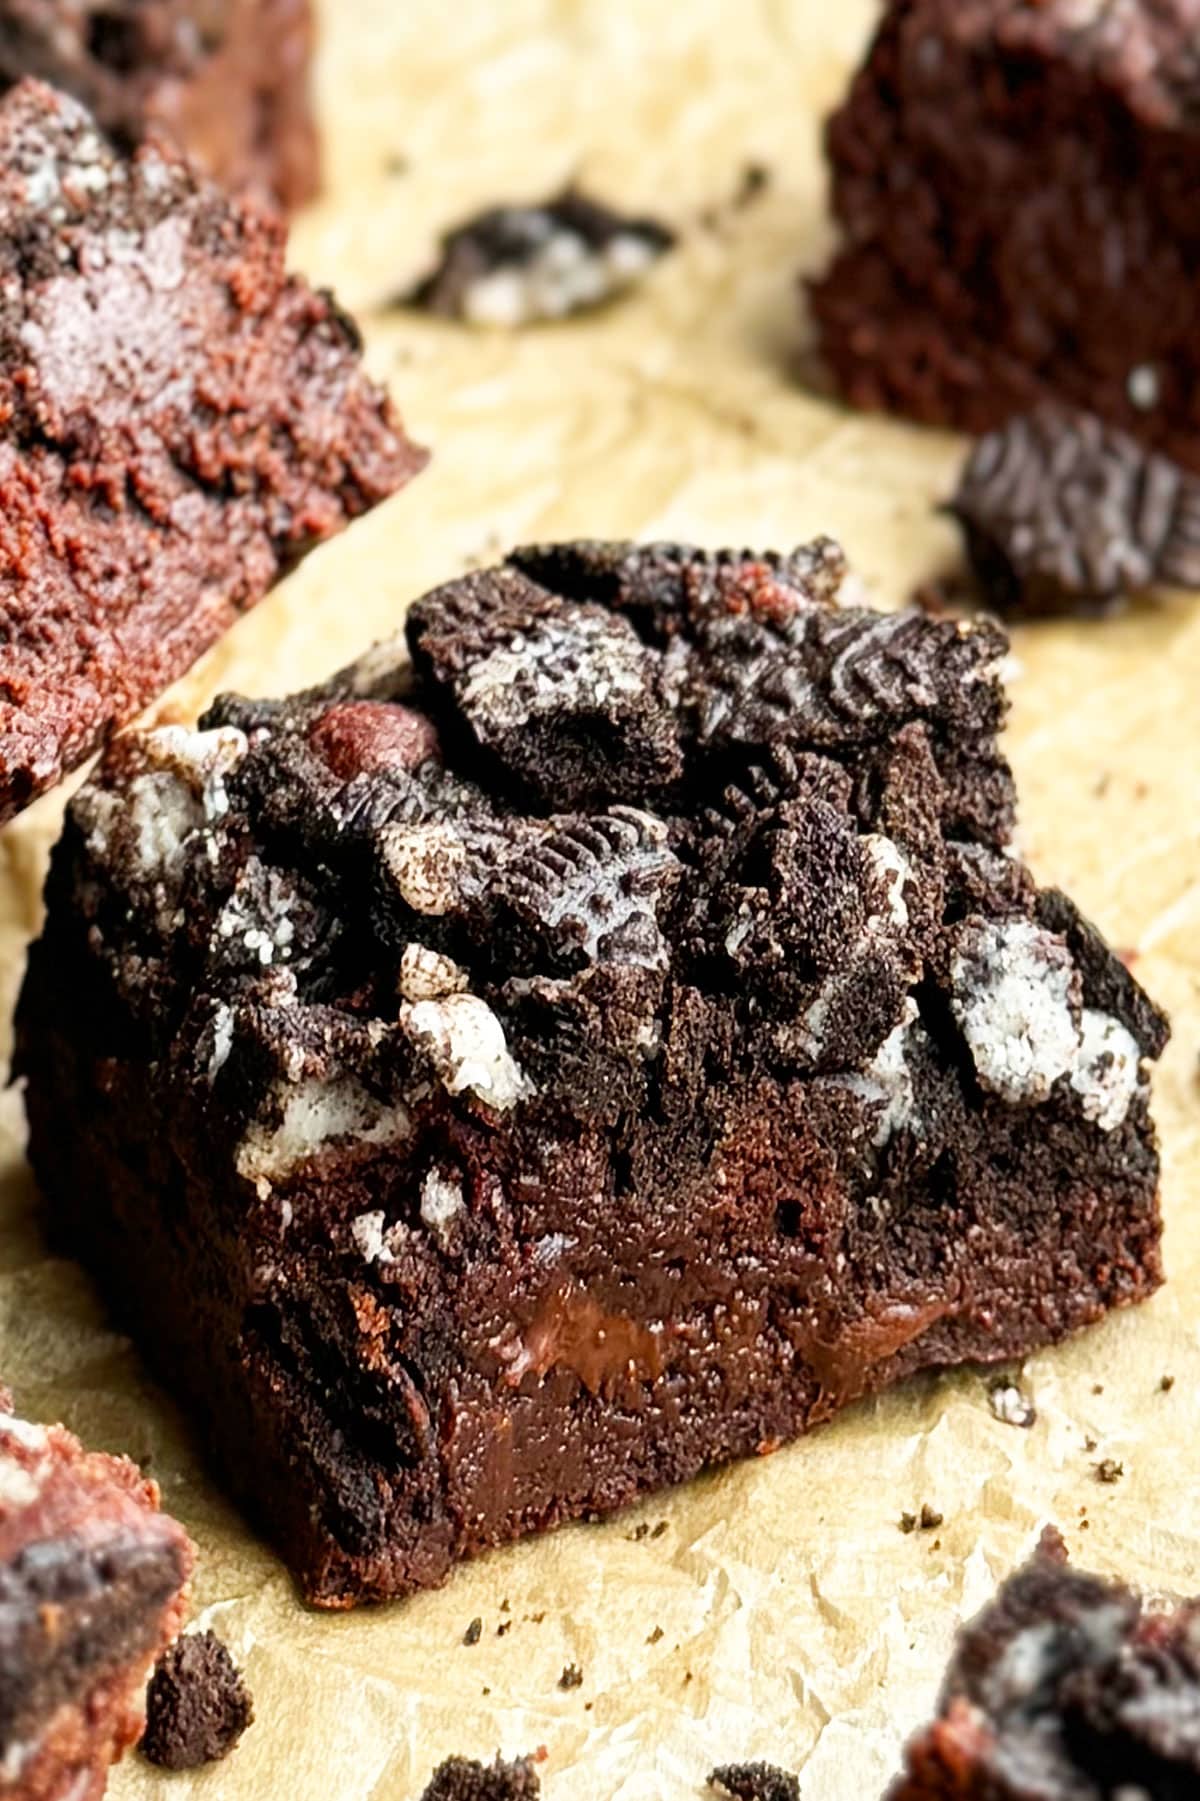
(1010, 1405)
(473, 1633)
(755, 1782)
(572, 1677)
(464, 1779)
(517, 265)
(197, 1705)
(1109, 1470)
(1062, 513)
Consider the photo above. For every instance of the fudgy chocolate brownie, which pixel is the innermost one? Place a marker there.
(1066, 1688)
(515, 265)
(228, 80)
(496, 1087)
(92, 1581)
(197, 1704)
(1062, 513)
(1015, 181)
(180, 422)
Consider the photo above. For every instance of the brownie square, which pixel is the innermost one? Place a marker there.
(1066, 1688)
(180, 422)
(228, 80)
(1015, 184)
(496, 1085)
(92, 1588)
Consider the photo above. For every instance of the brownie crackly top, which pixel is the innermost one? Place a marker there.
(633, 821)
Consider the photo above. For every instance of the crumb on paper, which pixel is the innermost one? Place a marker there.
(503, 1627)
(1010, 1404)
(473, 1633)
(1109, 1470)
(1089, 1445)
(1166, 1384)
(927, 1520)
(652, 1638)
(659, 1529)
(572, 1677)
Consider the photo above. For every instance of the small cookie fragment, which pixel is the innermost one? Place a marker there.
(464, 1779)
(197, 1705)
(1010, 1405)
(1062, 513)
(1066, 1686)
(755, 1782)
(516, 265)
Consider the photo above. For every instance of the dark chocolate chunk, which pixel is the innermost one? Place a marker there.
(515, 265)
(1061, 512)
(197, 1704)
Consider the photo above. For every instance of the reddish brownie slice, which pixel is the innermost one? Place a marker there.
(1015, 181)
(92, 1588)
(1066, 1688)
(496, 1087)
(180, 421)
(227, 79)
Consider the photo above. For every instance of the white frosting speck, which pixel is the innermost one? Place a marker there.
(465, 1042)
(528, 678)
(1013, 985)
(314, 1113)
(892, 869)
(424, 861)
(441, 1203)
(426, 975)
(368, 1234)
(1108, 1069)
(222, 1041)
(887, 1080)
(179, 789)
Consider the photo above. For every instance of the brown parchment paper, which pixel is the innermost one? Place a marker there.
(778, 1611)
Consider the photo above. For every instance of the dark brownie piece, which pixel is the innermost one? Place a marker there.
(496, 1087)
(228, 80)
(1062, 513)
(1066, 1688)
(514, 265)
(462, 1779)
(197, 1704)
(180, 422)
(1015, 181)
(755, 1782)
(92, 1587)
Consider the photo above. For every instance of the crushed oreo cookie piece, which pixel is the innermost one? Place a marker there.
(755, 1782)
(464, 1779)
(197, 1704)
(1063, 513)
(517, 265)
(1010, 1405)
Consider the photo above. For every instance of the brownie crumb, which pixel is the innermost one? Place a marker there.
(652, 1638)
(639, 1532)
(1166, 1384)
(197, 1704)
(503, 1627)
(572, 1676)
(1061, 513)
(1097, 1388)
(926, 1521)
(463, 1779)
(755, 1782)
(659, 1529)
(1109, 1470)
(1010, 1405)
(515, 265)
(1089, 1445)
(473, 1633)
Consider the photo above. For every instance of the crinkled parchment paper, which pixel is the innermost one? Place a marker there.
(778, 1611)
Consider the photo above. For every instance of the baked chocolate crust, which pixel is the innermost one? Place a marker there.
(180, 422)
(1066, 1688)
(496, 1086)
(227, 80)
(1013, 182)
(92, 1587)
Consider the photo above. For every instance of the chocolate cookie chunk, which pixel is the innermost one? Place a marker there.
(1062, 513)
(499, 1084)
(1068, 1686)
(197, 1704)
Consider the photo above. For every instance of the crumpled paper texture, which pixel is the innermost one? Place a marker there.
(775, 1609)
